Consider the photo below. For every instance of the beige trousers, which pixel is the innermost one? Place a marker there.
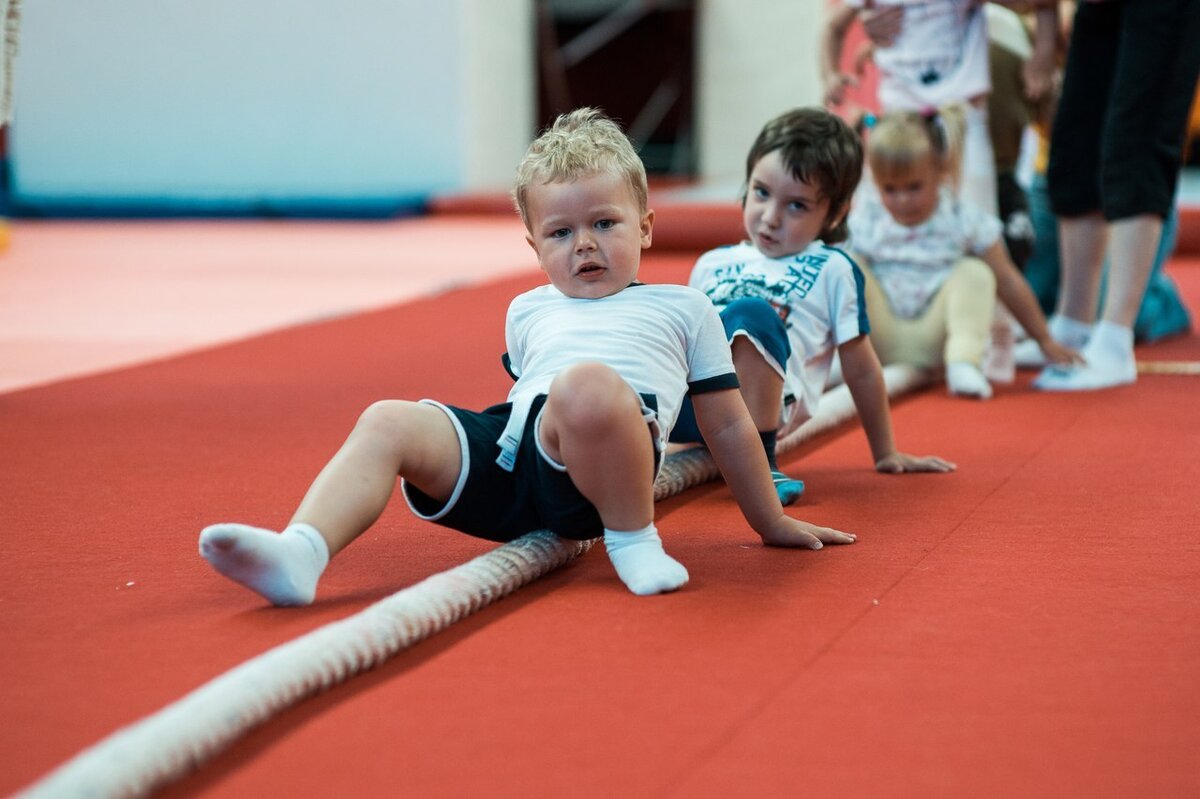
(953, 329)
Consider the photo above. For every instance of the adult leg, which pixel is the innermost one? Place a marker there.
(1072, 175)
(392, 438)
(1082, 242)
(593, 425)
(1162, 312)
(1156, 66)
(1133, 243)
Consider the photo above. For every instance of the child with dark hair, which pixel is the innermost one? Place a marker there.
(789, 300)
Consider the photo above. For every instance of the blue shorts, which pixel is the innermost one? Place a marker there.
(492, 503)
(745, 316)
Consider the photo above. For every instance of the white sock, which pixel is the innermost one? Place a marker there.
(1110, 351)
(641, 563)
(966, 380)
(1069, 332)
(283, 567)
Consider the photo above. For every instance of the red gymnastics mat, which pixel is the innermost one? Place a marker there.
(1027, 626)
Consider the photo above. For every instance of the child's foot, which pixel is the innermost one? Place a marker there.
(966, 380)
(282, 567)
(641, 562)
(1108, 362)
(789, 489)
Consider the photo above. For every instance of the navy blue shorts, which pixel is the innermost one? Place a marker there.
(748, 316)
(489, 502)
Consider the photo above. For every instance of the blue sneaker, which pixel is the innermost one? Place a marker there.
(788, 488)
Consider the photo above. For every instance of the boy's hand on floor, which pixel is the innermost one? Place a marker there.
(901, 463)
(789, 532)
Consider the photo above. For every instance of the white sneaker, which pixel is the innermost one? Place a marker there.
(1108, 362)
(966, 380)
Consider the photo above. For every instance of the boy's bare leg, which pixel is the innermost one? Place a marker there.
(592, 424)
(391, 439)
(762, 391)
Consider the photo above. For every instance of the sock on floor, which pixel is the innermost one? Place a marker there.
(282, 567)
(789, 489)
(641, 563)
(967, 380)
(1109, 362)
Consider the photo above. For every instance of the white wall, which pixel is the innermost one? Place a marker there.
(223, 102)
(499, 95)
(757, 59)
(244, 104)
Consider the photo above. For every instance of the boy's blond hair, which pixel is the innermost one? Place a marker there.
(902, 139)
(581, 143)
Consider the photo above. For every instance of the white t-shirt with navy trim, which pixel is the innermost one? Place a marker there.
(663, 340)
(819, 296)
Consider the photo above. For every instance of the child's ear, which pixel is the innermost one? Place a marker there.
(533, 246)
(838, 217)
(647, 228)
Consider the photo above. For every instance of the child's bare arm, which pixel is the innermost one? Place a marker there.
(832, 41)
(737, 449)
(1016, 295)
(1038, 71)
(864, 378)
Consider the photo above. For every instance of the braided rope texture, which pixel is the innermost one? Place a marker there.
(175, 740)
(1168, 367)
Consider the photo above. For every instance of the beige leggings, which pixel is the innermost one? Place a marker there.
(953, 329)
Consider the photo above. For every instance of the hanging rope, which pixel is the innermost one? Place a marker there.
(175, 740)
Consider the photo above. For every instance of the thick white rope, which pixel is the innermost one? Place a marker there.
(168, 744)
(171, 742)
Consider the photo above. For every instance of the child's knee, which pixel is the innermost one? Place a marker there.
(590, 396)
(751, 314)
(385, 418)
(975, 275)
(753, 326)
(396, 426)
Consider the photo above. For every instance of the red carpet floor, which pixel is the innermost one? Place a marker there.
(1027, 626)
